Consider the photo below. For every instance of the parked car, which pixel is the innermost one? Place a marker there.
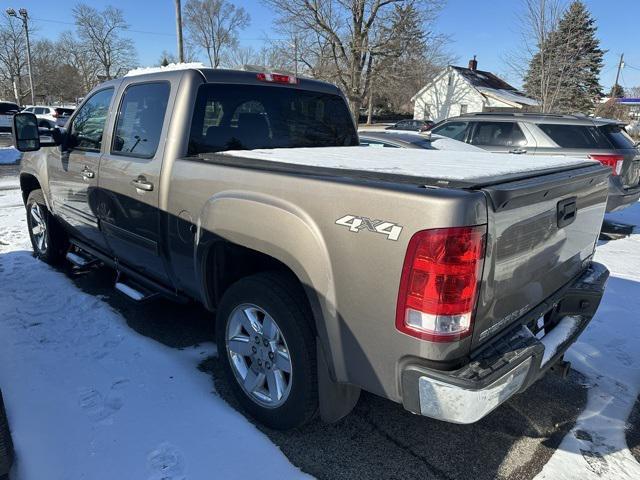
(633, 129)
(428, 278)
(395, 139)
(7, 111)
(412, 125)
(6, 446)
(546, 134)
(50, 117)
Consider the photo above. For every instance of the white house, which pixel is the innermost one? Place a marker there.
(458, 90)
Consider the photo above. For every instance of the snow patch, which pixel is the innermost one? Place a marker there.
(169, 68)
(89, 398)
(420, 163)
(607, 354)
(556, 337)
(9, 155)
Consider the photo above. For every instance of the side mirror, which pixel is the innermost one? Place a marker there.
(25, 132)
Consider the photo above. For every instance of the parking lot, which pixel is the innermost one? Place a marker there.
(379, 439)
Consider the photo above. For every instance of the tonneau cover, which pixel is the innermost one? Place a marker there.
(450, 168)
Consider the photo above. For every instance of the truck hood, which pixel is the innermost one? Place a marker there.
(443, 168)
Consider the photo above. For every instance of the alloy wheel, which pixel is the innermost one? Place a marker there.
(259, 355)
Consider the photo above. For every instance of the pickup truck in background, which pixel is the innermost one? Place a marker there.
(446, 281)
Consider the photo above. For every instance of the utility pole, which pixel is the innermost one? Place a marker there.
(24, 16)
(620, 65)
(179, 31)
(295, 54)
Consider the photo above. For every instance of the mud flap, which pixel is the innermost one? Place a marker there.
(336, 399)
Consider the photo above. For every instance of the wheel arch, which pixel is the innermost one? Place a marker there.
(262, 232)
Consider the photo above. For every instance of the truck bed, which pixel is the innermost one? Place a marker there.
(419, 167)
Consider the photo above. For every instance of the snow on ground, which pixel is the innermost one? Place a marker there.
(608, 353)
(88, 398)
(9, 155)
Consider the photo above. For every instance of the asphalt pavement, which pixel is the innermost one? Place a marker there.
(379, 439)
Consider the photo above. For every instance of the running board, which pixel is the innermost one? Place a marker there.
(134, 290)
(81, 261)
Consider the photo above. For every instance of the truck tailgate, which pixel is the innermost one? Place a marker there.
(541, 232)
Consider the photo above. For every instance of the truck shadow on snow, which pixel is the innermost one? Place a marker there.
(379, 439)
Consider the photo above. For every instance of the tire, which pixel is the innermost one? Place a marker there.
(6, 446)
(52, 245)
(280, 400)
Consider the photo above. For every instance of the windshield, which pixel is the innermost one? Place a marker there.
(244, 117)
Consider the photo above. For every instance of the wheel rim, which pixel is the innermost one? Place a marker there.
(38, 228)
(259, 355)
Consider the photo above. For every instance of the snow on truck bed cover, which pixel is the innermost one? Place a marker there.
(445, 165)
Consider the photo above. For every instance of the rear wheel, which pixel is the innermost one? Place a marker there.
(48, 239)
(267, 347)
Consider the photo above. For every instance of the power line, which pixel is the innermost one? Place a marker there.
(165, 34)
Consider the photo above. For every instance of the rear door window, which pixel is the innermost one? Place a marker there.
(575, 136)
(140, 119)
(618, 136)
(498, 134)
(244, 117)
(455, 130)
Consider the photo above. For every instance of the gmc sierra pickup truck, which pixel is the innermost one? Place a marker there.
(446, 281)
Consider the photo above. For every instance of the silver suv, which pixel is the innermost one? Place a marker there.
(548, 134)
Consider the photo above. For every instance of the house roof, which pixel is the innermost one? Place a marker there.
(480, 78)
(488, 85)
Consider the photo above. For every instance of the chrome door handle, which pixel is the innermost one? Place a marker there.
(518, 150)
(86, 173)
(141, 184)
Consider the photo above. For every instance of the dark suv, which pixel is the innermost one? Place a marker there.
(547, 134)
(412, 125)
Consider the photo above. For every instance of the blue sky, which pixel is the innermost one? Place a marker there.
(486, 28)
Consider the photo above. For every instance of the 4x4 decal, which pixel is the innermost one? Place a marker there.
(355, 224)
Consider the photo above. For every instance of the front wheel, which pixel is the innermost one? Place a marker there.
(267, 348)
(48, 239)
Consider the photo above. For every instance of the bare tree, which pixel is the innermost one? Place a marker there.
(213, 25)
(75, 54)
(355, 34)
(101, 33)
(13, 60)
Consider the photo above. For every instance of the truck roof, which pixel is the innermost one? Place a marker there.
(449, 168)
(221, 75)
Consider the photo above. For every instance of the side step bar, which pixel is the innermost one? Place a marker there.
(81, 261)
(129, 282)
(134, 290)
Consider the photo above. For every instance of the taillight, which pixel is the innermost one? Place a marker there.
(55, 114)
(277, 78)
(439, 283)
(613, 161)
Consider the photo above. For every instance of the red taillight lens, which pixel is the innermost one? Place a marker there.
(439, 283)
(54, 114)
(610, 160)
(277, 78)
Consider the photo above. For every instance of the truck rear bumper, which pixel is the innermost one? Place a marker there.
(510, 363)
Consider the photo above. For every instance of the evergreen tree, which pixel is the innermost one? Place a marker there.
(564, 74)
(617, 91)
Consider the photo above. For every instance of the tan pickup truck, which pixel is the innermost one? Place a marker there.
(446, 281)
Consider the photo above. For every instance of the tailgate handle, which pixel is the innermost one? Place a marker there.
(567, 212)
